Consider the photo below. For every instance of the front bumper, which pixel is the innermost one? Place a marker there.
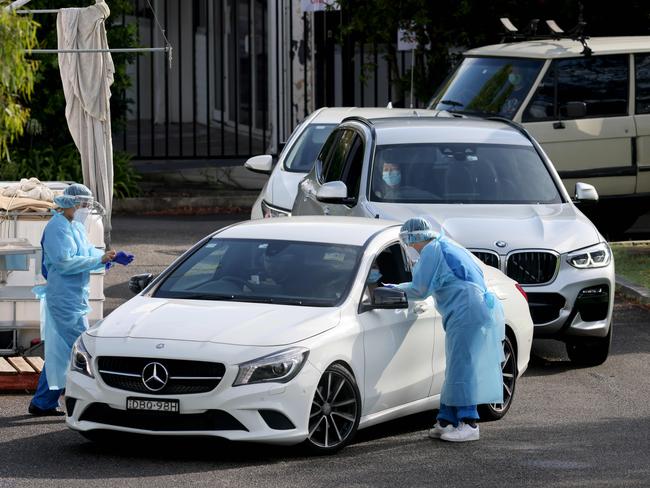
(235, 413)
(579, 302)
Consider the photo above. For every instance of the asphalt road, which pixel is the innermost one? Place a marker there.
(567, 426)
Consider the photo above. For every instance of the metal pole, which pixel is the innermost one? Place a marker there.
(207, 75)
(166, 92)
(180, 80)
(412, 70)
(111, 50)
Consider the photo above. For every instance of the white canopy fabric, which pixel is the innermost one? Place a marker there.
(87, 78)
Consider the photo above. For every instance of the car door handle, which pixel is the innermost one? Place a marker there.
(326, 210)
(420, 309)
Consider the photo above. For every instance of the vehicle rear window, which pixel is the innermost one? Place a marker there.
(601, 82)
(462, 173)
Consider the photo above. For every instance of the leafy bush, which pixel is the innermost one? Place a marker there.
(64, 164)
(17, 74)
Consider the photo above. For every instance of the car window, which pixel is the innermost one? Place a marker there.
(490, 85)
(334, 163)
(305, 148)
(268, 271)
(324, 153)
(601, 82)
(642, 63)
(353, 166)
(392, 267)
(461, 173)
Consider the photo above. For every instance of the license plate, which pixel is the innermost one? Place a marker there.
(153, 405)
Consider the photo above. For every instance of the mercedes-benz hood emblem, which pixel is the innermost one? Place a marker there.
(154, 376)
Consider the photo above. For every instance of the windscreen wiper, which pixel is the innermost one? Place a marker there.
(453, 103)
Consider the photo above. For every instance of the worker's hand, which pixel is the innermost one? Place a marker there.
(108, 256)
(123, 258)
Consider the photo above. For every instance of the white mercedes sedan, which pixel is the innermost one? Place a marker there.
(280, 332)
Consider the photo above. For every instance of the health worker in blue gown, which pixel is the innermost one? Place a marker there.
(474, 328)
(68, 260)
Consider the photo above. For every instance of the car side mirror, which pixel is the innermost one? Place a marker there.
(334, 192)
(139, 282)
(389, 298)
(575, 110)
(586, 193)
(260, 164)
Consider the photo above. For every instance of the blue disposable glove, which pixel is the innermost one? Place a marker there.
(123, 258)
(108, 265)
(388, 285)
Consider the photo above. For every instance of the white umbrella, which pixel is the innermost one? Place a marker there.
(87, 77)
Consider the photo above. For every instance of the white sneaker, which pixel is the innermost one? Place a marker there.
(462, 433)
(438, 430)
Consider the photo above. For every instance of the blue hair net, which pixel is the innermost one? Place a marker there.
(73, 195)
(78, 189)
(417, 229)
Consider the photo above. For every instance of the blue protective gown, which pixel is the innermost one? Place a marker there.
(68, 259)
(472, 319)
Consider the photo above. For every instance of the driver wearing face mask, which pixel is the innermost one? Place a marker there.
(391, 178)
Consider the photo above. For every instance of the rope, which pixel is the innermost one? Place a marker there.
(162, 31)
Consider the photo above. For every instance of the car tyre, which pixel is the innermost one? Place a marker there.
(592, 351)
(496, 411)
(335, 411)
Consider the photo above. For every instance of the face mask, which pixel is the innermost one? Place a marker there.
(514, 79)
(392, 178)
(81, 215)
(374, 275)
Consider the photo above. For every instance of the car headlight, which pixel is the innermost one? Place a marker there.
(269, 211)
(597, 256)
(279, 367)
(81, 359)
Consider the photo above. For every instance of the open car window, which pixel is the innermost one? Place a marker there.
(389, 266)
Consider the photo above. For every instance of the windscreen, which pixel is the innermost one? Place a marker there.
(265, 271)
(461, 173)
(488, 86)
(305, 149)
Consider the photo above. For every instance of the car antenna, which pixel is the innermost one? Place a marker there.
(377, 216)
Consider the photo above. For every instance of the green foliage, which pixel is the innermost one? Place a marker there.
(126, 179)
(17, 75)
(64, 164)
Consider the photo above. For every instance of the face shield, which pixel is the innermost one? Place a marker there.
(83, 208)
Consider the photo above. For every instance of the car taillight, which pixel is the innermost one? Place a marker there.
(521, 290)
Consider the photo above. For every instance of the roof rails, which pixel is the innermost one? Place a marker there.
(512, 34)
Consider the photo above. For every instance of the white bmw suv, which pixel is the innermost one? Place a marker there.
(490, 186)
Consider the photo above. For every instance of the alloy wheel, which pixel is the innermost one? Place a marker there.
(334, 411)
(509, 371)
